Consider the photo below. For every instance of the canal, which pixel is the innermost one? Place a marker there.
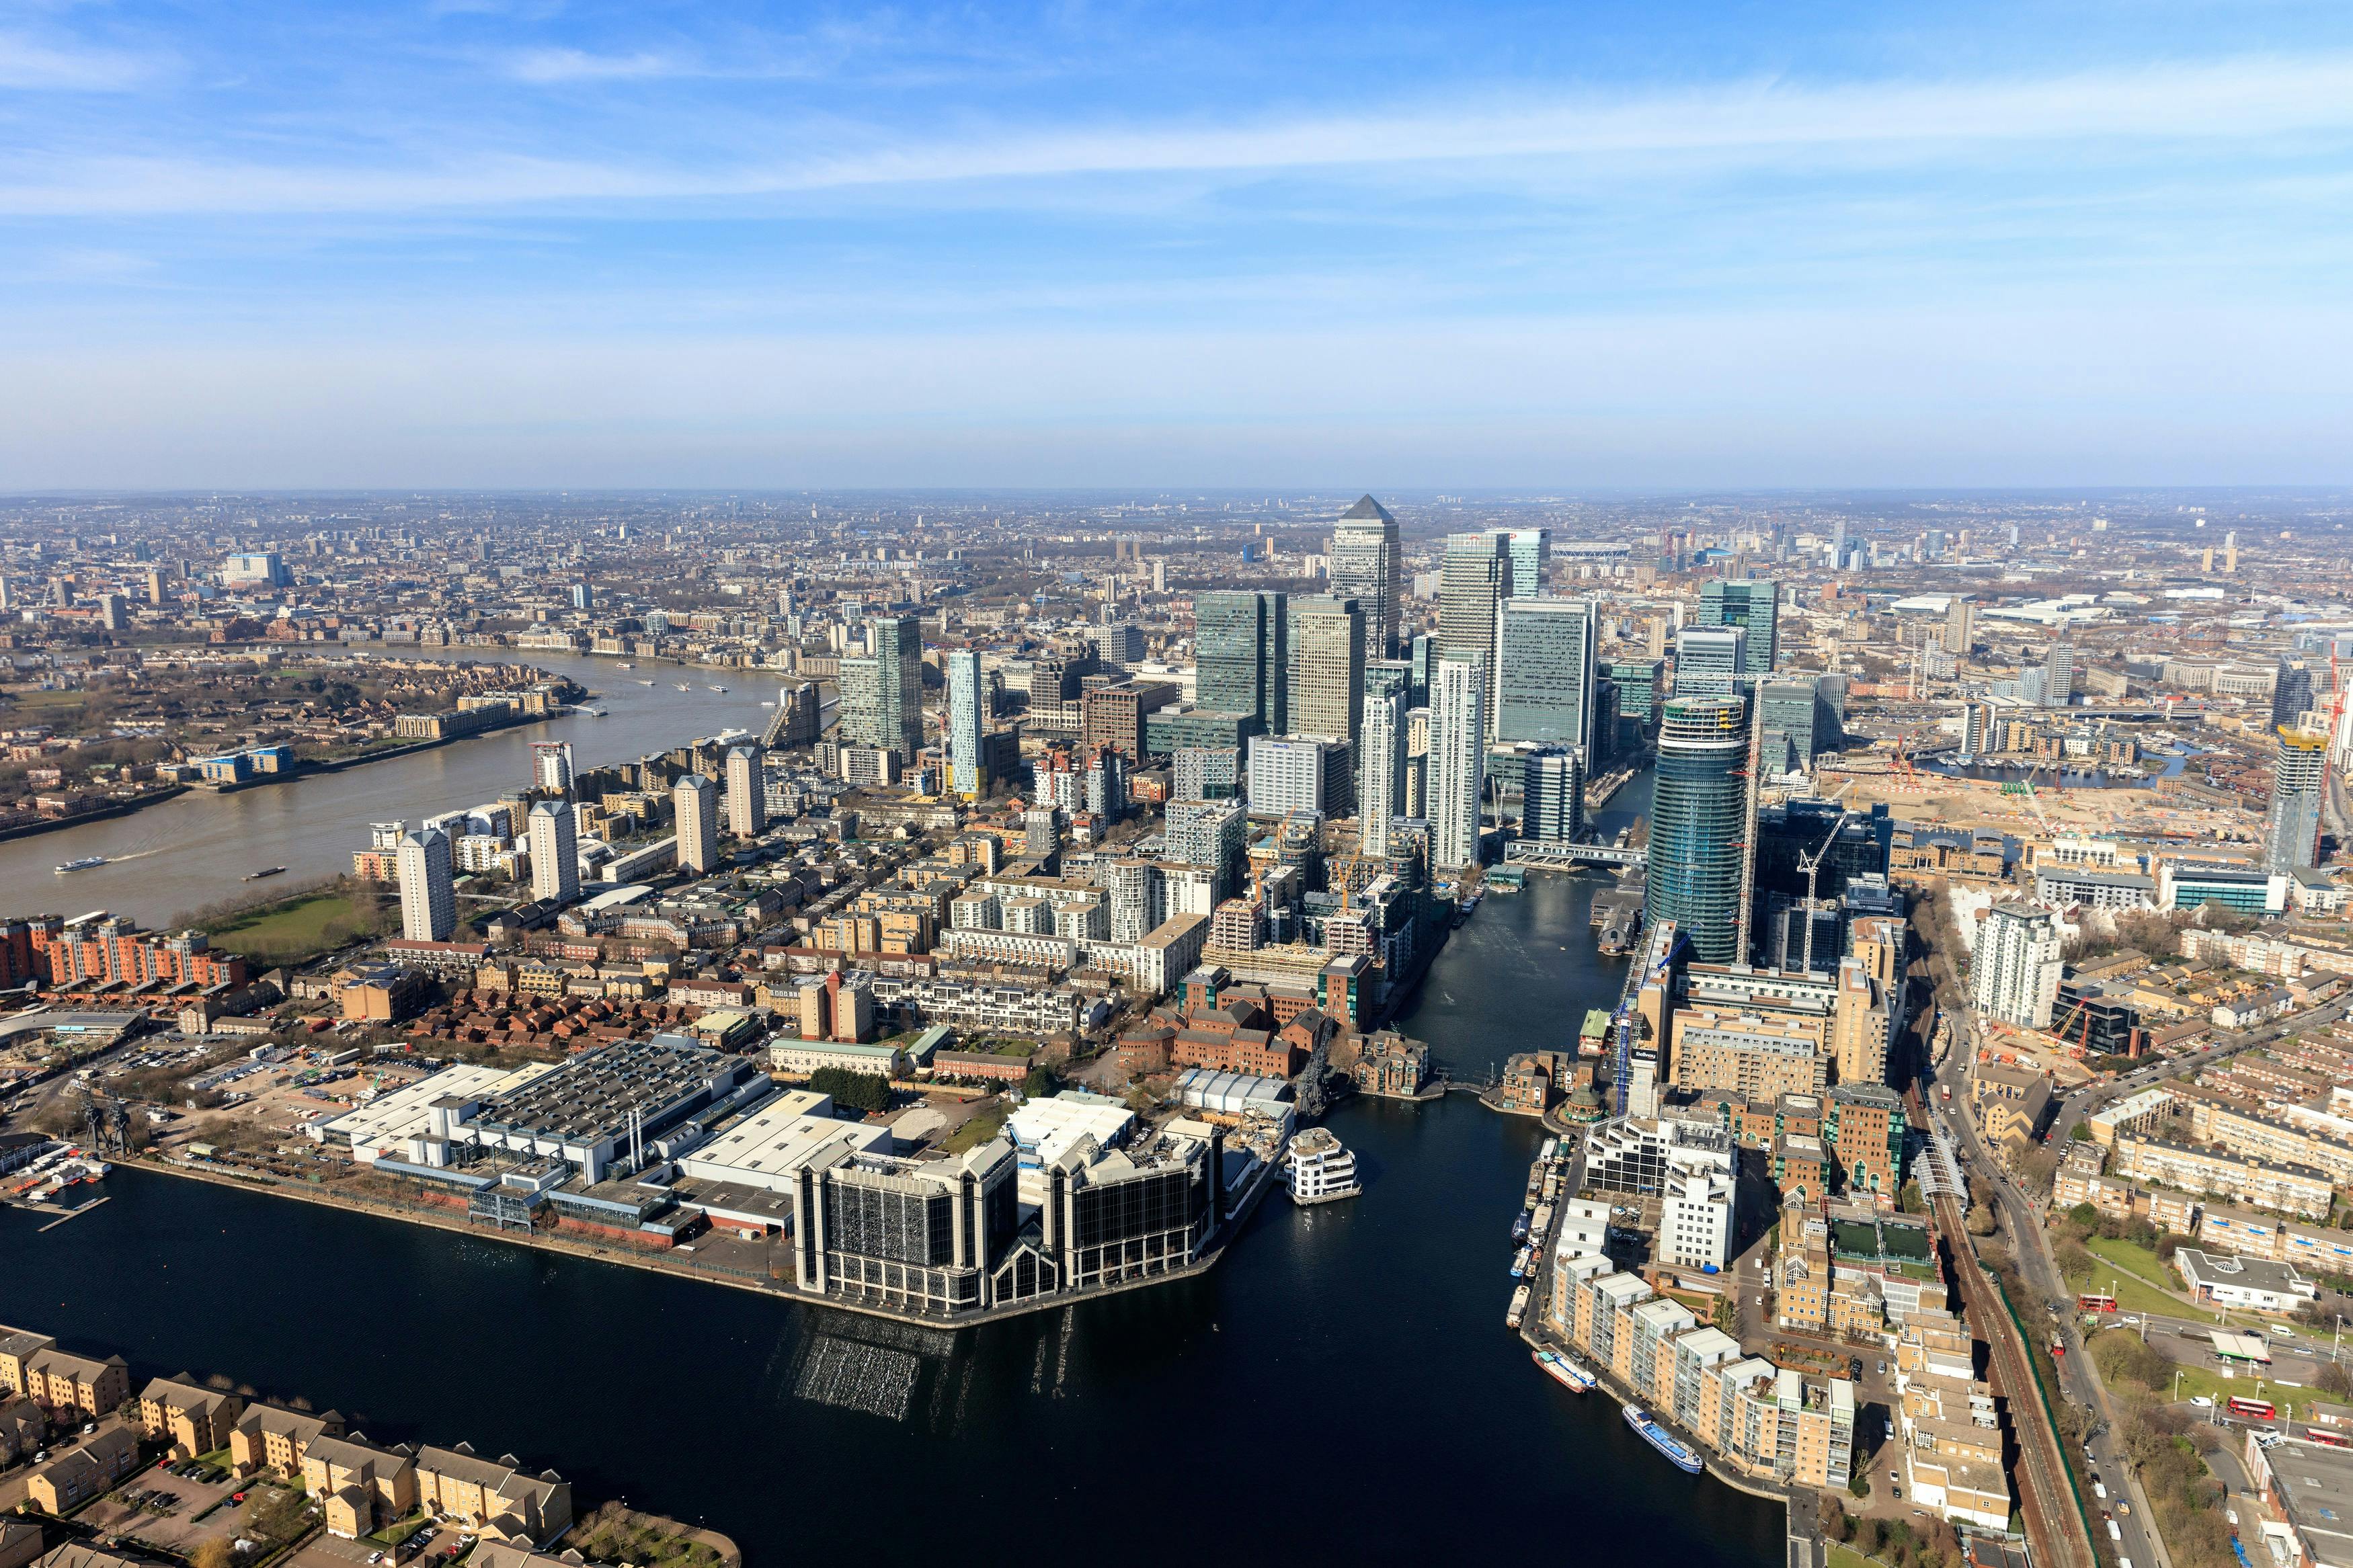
(192, 852)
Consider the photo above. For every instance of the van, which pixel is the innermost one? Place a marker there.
(2114, 1532)
(2100, 1491)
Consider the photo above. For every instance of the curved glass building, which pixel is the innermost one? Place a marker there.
(1699, 828)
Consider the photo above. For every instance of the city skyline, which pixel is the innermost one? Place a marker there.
(472, 248)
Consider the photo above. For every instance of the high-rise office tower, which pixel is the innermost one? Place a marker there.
(1366, 568)
(555, 852)
(1552, 800)
(1754, 607)
(965, 700)
(1419, 652)
(551, 767)
(1327, 667)
(2291, 693)
(1699, 824)
(2059, 673)
(1709, 660)
(1241, 655)
(1529, 551)
(695, 803)
(747, 793)
(1544, 687)
(1456, 766)
(1960, 626)
(429, 903)
(2299, 774)
(1471, 583)
(1380, 778)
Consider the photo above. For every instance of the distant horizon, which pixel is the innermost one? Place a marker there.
(1678, 245)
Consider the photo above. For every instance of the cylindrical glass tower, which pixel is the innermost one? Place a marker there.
(1698, 823)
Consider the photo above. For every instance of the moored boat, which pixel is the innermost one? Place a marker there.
(1679, 1455)
(1565, 1372)
(1517, 1310)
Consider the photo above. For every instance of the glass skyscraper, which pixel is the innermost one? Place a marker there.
(1326, 689)
(1241, 655)
(1544, 679)
(2299, 774)
(1699, 824)
(965, 701)
(1471, 580)
(1709, 660)
(883, 701)
(1754, 607)
(1366, 568)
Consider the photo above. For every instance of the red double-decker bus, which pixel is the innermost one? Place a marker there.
(2090, 1303)
(2253, 1409)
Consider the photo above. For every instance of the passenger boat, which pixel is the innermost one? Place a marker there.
(265, 871)
(84, 864)
(1679, 1455)
(1565, 1372)
(1517, 1310)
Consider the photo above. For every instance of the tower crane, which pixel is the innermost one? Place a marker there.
(1812, 866)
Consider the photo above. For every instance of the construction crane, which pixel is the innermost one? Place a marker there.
(1812, 866)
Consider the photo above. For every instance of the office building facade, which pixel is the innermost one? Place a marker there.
(1545, 683)
(1326, 685)
(1710, 660)
(1366, 568)
(1755, 608)
(1471, 579)
(1241, 656)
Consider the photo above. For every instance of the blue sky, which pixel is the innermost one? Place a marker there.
(1657, 244)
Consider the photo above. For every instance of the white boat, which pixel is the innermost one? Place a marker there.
(683, 685)
(624, 664)
(1319, 1169)
(1565, 1372)
(1518, 1310)
(718, 688)
(644, 683)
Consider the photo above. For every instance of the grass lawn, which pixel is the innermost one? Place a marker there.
(1848, 1557)
(286, 931)
(974, 1132)
(2144, 1284)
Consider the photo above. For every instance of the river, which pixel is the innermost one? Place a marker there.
(1340, 1389)
(193, 851)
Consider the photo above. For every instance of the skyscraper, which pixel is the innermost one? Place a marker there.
(1327, 667)
(2059, 673)
(695, 803)
(1552, 804)
(1699, 824)
(1366, 568)
(965, 700)
(886, 707)
(2291, 693)
(1754, 607)
(1960, 626)
(1380, 779)
(1241, 655)
(429, 905)
(1529, 551)
(1456, 767)
(747, 793)
(2299, 774)
(555, 852)
(1470, 584)
(1709, 660)
(1544, 679)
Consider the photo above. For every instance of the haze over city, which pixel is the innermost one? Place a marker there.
(1683, 245)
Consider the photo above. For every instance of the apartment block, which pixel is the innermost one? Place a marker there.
(495, 1498)
(191, 1418)
(271, 1437)
(2207, 1173)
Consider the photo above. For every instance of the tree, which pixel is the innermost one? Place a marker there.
(1981, 1221)
(2334, 1380)
(213, 1553)
(2084, 1218)
(1042, 1081)
(858, 1090)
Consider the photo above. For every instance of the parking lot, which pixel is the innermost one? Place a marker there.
(168, 1512)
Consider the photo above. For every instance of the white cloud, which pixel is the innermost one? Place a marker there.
(30, 65)
(1574, 136)
(553, 66)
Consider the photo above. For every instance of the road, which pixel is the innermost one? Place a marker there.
(2082, 1102)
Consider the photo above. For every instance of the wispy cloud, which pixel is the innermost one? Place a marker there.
(29, 64)
(552, 66)
(1569, 138)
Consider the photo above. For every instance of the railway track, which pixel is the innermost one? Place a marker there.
(2054, 1523)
